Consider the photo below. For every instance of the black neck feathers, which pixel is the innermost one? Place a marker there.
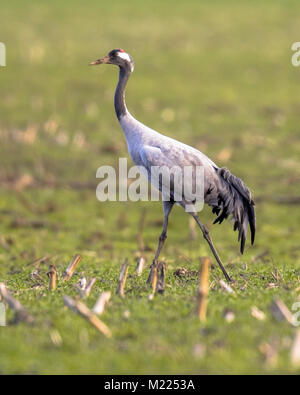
(120, 105)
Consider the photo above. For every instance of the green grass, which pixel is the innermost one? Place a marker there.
(223, 71)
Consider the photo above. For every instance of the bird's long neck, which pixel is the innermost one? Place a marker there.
(120, 105)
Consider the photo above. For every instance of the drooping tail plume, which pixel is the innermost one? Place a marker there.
(234, 199)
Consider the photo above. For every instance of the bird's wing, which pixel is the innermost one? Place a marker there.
(227, 194)
(154, 156)
(169, 152)
(178, 156)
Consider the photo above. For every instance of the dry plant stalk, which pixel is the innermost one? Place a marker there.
(89, 287)
(52, 277)
(71, 268)
(226, 287)
(295, 350)
(21, 313)
(154, 276)
(101, 303)
(122, 279)
(84, 290)
(281, 312)
(161, 277)
(258, 314)
(141, 231)
(81, 309)
(140, 266)
(203, 289)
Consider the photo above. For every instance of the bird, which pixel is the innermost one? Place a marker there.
(225, 193)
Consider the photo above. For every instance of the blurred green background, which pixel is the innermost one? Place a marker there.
(216, 75)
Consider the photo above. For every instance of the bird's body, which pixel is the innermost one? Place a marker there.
(149, 148)
(225, 193)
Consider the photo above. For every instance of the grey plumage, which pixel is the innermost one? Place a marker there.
(226, 194)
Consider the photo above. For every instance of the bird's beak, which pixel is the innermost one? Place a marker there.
(104, 60)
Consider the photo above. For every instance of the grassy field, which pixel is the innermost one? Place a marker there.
(217, 75)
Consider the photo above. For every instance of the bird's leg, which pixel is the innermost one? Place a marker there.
(162, 238)
(161, 241)
(210, 243)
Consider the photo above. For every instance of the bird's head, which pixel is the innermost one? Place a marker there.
(117, 57)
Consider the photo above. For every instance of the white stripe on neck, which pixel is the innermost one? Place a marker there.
(125, 56)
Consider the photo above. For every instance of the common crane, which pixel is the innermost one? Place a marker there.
(225, 193)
